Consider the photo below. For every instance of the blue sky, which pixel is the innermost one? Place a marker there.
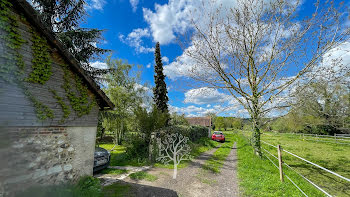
(132, 28)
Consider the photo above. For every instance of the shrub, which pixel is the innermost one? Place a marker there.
(136, 146)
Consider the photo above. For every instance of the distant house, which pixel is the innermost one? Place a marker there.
(201, 121)
(49, 106)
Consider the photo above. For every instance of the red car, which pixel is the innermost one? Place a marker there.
(218, 136)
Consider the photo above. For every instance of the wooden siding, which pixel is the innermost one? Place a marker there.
(17, 110)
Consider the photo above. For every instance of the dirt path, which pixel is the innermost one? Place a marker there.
(193, 181)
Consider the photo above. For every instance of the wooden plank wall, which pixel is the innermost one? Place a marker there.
(17, 110)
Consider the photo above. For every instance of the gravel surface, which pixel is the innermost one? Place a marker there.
(193, 181)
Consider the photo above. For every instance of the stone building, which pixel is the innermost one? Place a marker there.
(201, 121)
(49, 106)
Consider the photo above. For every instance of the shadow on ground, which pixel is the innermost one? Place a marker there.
(122, 188)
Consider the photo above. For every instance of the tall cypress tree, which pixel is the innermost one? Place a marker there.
(160, 92)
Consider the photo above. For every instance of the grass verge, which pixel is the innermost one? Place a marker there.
(259, 177)
(143, 175)
(113, 171)
(117, 190)
(219, 156)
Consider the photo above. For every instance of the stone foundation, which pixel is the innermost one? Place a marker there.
(45, 155)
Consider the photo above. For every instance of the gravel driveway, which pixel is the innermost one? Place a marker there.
(193, 181)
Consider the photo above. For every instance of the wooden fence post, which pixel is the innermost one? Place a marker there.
(335, 136)
(280, 161)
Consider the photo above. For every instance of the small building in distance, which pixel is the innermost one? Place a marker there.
(49, 105)
(201, 121)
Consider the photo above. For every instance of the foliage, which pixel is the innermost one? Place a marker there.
(148, 122)
(42, 111)
(86, 187)
(320, 108)
(176, 119)
(80, 103)
(64, 18)
(219, 123)
(9, 24)
(136, 147)
(143, 175)
(41, 62)
(122, 89)
(160, 91)
(65, 108)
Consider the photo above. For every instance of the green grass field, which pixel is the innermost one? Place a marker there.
(118, 156)
(333, 156)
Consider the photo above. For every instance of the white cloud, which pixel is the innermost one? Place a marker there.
(98, 64)
(165, 59)
(195, 111)
(95, 4)
(134, 4)
(205, 95)
(134, 39)
(148, 65)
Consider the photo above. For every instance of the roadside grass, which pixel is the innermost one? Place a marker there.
(203, 145)
(333, 156)
(143, 175)
(113, 171)
(117, 190)
(218, 158)
(259, 177)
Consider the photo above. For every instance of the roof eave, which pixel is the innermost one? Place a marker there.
(33, 17)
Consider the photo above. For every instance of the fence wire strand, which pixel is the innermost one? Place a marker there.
(288, 177)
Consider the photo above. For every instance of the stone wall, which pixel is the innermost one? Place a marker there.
(45, 155)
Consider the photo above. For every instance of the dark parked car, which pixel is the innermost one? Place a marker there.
(218, 136)
(102, 159)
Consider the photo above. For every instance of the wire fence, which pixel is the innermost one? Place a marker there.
(336, 138)
(305, 160)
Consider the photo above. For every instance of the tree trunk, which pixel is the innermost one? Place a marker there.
(175, 170)
(256, 139)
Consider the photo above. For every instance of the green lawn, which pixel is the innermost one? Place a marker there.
(333, 156)
(143, 175)
(203, 145)
(118, 155)
(217, 160)
(258, 177)
(119, 158)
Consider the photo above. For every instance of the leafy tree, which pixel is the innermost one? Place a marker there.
(237, 123)
(63, 18)
(176, 119)
(219, 123)
(322, 105)
(120, 88)
(160, 91)
(148, 122)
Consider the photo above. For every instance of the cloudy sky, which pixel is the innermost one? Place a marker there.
(132, 29)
